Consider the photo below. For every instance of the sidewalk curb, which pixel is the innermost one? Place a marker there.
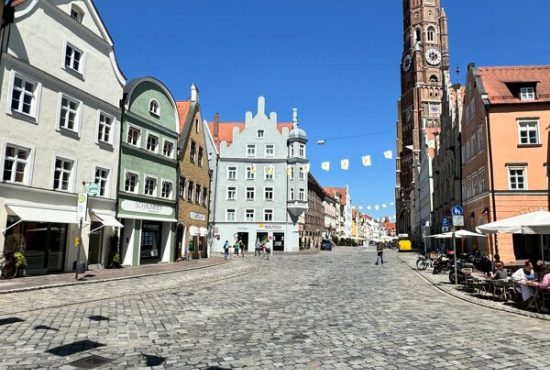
(475, 301)
(42, 287)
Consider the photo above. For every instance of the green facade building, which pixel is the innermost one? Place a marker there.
(148, 172)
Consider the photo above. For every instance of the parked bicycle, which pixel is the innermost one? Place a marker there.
(8, 267)
(423, 262)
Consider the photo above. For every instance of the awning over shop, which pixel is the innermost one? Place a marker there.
(194, 231)
(106, 220)
(203, 231)
(35, 214)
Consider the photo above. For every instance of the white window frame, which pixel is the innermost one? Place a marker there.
(231, 211)
(72, 179)
(149, 134)
(35, 103)
(269, 189)
(228, 191)
(302, 150)
(156, 112)
(29, 167)
(516, 168)
(302, 173)
(138, 129)
(251, 173)
(253, 153)
(78, 11)
(229, 171)
(527, 93)
(81, 63)
(246, 190)
(291, 175)
(78, 118)
(302, 194)
(247, 212)
(108, 180)
(164, 142)
(269, 211)
(291, 195)
(523, 124)
(260, 134)
(291, 151)
(111, 128)
(155, 191)
(136, 186)
(198, 195)
(272, 146)
(266, 178)
(166, 181)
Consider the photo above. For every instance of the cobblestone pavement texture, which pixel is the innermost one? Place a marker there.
(332, 310)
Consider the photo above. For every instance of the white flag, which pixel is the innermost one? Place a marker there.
(383, 206)
(366, 160)
(289, 170)
(369, 208)
(376, 207)
(392, 204)
(388, 154)
(305, 168)
(345, 164)
(325, 166)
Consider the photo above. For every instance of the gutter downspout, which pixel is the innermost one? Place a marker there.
(120, 140)
(487, 105)
(212, 218)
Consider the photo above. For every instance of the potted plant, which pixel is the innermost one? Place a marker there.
(20, 263)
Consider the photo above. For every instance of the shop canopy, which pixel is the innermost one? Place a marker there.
(458, 234)
(106, 220)
(194, 231)
(537, 222)
(203, 231)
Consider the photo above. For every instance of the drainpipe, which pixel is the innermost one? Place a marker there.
(120, 141)
(212, 218)
(487, 105)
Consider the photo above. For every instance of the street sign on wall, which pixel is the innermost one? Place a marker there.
(458, 220)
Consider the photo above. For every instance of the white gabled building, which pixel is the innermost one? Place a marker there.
(60, 123)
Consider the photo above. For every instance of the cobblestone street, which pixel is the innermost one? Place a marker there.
(319, 311)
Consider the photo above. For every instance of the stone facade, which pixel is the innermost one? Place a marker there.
(261, 180)
(314, 217)
(193, 237)
(148, 179)
(60, 87)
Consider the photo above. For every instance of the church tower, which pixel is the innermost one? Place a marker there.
(424, 66)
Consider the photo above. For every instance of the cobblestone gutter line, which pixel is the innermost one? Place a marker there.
(438, 281)
(85, 282)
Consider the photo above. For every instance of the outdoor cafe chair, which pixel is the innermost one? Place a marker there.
(500, 289)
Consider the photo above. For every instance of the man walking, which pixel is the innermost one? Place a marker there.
(380, 253)
(226, 250)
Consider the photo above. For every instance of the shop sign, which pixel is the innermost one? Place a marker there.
(270, 227)
(142, 207)
(198, 216)
(82, 207)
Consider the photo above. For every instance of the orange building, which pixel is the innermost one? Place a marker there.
(505, 129)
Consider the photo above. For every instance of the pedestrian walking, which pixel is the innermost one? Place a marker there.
(380, 253)
(242, 247)
(226, 250)
(258, 248)
(236, 249)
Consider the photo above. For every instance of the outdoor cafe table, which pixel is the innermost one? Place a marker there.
(481, 282)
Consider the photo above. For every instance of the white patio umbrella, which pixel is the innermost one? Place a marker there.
(537, 222)
(458, 234)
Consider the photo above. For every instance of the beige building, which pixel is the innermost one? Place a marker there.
(505, 153)
(192, 235)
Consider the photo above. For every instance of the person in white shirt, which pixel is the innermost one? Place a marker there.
(523, 276)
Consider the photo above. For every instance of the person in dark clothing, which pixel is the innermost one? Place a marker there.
(380, 253)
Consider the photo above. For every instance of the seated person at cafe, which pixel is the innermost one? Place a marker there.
(545, 284)
(496, 259)
(499, 273)
(522, 276)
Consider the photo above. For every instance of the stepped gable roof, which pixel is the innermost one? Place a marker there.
(332, 192)
(183, 110)
(497, 81)
(225, 131)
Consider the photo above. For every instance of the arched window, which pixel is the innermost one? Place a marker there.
(154, 107)
(433, 79)
(197, 125)
(418, 33)
(76, 13)
(431, 34)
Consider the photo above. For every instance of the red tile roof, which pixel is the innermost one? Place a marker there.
(332, 192)
(495, 80)
(225, 131)
(390, 226)
(183, 111)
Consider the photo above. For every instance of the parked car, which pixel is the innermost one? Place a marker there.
(326, 245)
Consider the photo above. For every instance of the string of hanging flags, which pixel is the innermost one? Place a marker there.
(365, 160)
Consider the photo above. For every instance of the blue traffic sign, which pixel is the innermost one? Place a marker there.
(445, 221)
(457, 211)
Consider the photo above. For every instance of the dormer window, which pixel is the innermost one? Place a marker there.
(154, 107)
(527, 93)
(76, 14)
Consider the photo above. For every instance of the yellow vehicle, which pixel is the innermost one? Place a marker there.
(405, 245)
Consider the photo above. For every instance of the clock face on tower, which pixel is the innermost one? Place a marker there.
(407, 61)
(433, 57)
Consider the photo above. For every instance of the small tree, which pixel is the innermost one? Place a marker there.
(14, 243)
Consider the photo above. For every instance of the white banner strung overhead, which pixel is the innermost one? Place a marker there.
(344, 164)
(366, 160)
(325, 166)
(388, 154)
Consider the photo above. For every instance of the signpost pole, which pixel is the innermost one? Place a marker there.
(78, 247)
(454, 255)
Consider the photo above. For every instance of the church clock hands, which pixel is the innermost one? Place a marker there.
(407, 61)
(433, 57)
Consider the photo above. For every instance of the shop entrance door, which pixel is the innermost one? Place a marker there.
(262, 237)
(96, 244)
(150, 242)
(244, 238)
(278, 241)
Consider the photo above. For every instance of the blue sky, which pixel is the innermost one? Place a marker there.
(336, 61)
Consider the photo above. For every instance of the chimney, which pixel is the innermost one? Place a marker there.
(216, 125)
(194, 93)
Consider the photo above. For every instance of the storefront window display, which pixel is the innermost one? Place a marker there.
(150, 242)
